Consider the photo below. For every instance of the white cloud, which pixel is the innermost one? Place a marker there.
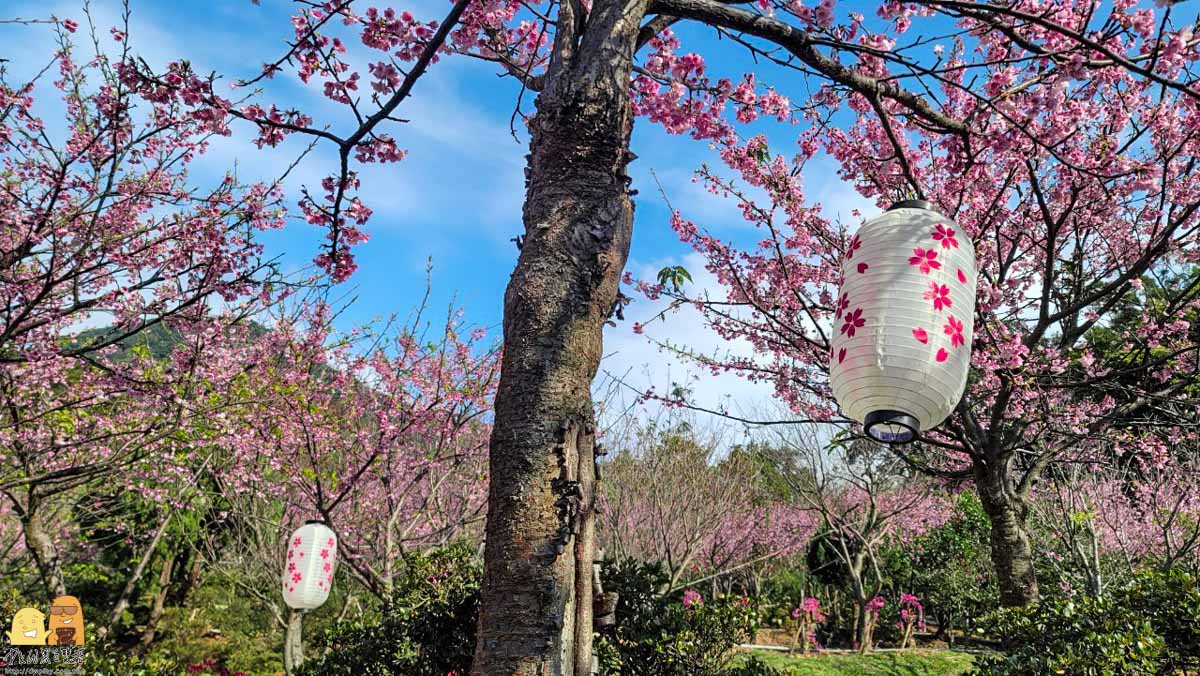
(677, 181)
(640, 362)
(837, 197)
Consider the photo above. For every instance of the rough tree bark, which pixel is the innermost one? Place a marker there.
(578, 215)
(1008, 512)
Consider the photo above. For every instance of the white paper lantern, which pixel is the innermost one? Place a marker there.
(309, 566)
(903, 323)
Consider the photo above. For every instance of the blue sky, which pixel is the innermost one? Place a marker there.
(457, 197)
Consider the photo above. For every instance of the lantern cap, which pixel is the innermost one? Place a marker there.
(312, 521)
(914, 204)
(891, 427)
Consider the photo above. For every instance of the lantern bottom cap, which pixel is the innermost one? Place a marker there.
(891, 427)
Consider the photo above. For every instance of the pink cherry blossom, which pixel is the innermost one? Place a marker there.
(925, 260)
(945, 236)
(939, 294)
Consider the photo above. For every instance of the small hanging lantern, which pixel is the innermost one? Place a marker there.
(309, 566)
(903, 323)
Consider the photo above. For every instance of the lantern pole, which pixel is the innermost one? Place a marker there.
(293, 643)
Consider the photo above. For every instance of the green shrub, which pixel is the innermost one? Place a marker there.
(670, 635)
(1170, 601)
(1151, 626)
(782, 591)
(754, 666)
(950, 567)
(106, 660)
(824, 558)
(1077, 636)
(428, 628)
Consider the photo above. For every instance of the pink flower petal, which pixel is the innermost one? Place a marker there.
(961, 277)
(942, 354)
(921, 336)
(862, 267)
(841, 355)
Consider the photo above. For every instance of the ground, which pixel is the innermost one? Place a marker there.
(913, 662)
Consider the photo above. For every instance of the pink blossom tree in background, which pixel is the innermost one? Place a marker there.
(865, 498)
(379, 433)
(673, 493)
(1102, 519)
(100, 226)
(129, 367)
(750, 546)
(1066, 509)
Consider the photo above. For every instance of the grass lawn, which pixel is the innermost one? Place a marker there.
(910, 663)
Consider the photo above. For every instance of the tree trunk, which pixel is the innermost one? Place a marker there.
(535, 616)
(192, 581)
(944, 621)
(1094, 573)
(585, 555)
(156, 608)
(43, 549)
(863, 628)
(1011, 553)
(293, 642)
(134, 578)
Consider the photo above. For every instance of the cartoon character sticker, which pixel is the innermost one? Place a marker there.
(28, 628)
(66, 622)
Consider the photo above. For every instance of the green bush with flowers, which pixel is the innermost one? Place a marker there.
(683, 633)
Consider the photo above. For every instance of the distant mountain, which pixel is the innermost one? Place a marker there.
(159, 340)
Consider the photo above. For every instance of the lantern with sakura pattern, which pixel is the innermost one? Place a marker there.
(309, 566)
(903, 322)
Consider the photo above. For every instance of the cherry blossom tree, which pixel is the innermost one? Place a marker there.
(1061, 140)
(865, 498)
(1104, 520)
(1058, 135)
(380, 433)
(100, 225)
(672, 494)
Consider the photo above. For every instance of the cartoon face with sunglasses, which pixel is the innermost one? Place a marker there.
(66, 622)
